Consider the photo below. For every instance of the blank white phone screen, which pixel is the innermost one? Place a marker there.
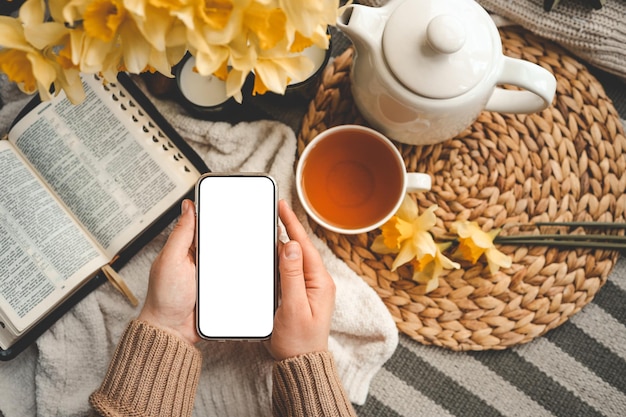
(236, 256)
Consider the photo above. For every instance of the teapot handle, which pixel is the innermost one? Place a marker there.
(539, 83)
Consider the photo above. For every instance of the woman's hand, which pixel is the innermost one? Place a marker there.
(171, 299)
(302, 321)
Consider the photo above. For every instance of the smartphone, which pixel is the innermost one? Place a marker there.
(236, 256)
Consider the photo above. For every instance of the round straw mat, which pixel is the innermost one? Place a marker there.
(565, 163)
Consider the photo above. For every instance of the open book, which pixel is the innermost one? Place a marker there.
(82, 187)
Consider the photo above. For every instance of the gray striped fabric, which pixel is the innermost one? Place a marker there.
(577, 369)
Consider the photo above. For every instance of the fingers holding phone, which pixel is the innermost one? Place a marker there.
(238, 257)
(171, 297)
(302, 321)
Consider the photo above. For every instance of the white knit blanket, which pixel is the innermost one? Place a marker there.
(68, 362)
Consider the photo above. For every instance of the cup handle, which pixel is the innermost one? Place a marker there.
(539, 83)
(416, 182)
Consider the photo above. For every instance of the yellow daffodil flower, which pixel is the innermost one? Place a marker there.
(275, 72)
(429, 268)
(215, 13)
(102, 19)
(213, 22)
(160, 23)
(29, 48)
(407, 234)
(266, 24)
(474, 242)
(310, 17)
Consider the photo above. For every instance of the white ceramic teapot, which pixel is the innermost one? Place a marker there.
(425, 69)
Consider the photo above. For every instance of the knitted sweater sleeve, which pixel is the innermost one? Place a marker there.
(152, 373)
(309, 385)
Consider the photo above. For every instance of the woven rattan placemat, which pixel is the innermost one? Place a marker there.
(565, 163)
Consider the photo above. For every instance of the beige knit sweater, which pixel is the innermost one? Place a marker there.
(154, 373)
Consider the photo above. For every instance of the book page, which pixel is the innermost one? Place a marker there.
(106, 160)
(43, 252)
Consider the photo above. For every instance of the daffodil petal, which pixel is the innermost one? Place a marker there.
(234, 82)
(155, 27)
(444, 246)
(461, 228)
(266, 23)
(137, 53)
(159, 61)
(73, 10)
(468, 250)
(429, 276)
(395, 231)
(300, 43)
(44, 73)
(379, 246)
(12, 34)
(174, 55)
(427, 219)
(276, 72)
(242, 57)
(69, 81)
(447, 263)
(210, 60)
(321, 38)
(431, 272)
(424, 244)
(493, 233)
(432, 284)
(56, 9)
(136, 7)
(32, 12)
(43, 35)
(307, 15)
(406, 254)
(472, 230)
(482, 239)
(408, 209)
(497, 260)
(93, 54)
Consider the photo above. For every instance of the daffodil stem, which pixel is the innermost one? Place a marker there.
(604, 225)
(564, 243)
(563, 237)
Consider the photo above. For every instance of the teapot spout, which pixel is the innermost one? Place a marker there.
(364, 25)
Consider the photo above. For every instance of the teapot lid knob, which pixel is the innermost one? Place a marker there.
(440, 49)
(445, 34)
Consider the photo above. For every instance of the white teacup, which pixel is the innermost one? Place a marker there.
(351, 179)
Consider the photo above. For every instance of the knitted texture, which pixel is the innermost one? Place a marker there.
(596, 36)
(152, 373)
(308, 385)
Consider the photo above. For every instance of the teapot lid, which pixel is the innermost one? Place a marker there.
(439, 49)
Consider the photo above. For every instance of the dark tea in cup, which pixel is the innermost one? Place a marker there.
(352, 179)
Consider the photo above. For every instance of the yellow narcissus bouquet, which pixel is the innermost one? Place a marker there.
(49, 43)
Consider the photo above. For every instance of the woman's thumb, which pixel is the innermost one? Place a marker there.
(181, 238)
(291, 272)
